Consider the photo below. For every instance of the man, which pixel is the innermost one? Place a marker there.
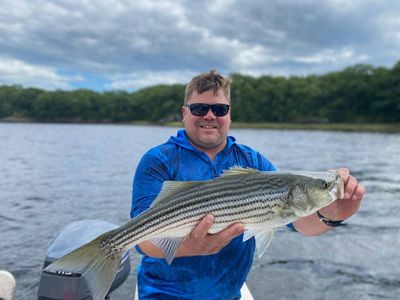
(210, 266)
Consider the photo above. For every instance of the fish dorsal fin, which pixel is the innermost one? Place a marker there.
(235, 171)
(170, 188)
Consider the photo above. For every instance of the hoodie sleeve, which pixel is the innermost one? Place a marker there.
(150, 175)
(264, 164)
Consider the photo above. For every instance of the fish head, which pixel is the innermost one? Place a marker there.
(316, 190)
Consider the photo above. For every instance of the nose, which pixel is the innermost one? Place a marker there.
(210, 115)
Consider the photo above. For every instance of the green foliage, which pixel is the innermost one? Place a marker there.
(358, 94)
(158, 104)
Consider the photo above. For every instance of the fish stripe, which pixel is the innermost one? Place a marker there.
(245, 197)
(199, 210)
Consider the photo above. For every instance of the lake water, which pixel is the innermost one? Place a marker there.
(51, 175)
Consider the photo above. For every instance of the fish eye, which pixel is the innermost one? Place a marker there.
(324, 184)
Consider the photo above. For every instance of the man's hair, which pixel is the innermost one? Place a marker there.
(206, 82)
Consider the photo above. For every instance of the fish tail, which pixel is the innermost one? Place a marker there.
(93, 263)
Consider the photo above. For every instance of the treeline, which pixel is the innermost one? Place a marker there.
(358, 94)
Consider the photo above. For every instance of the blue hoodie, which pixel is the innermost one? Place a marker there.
(218, 276)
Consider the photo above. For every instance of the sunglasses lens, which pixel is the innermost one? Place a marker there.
(220, 110)
(198, 109)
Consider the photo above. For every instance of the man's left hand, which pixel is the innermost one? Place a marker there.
(344, 208)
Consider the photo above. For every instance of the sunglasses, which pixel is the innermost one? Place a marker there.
(201, 109)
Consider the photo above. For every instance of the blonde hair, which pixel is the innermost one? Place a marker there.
(206, 82)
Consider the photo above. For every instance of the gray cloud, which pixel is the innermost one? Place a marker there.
(130, 44)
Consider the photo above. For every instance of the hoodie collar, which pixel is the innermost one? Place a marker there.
(182, 140)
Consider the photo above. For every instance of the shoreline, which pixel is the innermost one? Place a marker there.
(377, 128)
(373, 128)
(346, 127)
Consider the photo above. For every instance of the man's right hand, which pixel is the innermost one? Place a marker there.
(199, 241)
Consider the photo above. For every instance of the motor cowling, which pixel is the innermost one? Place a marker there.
(73, 286)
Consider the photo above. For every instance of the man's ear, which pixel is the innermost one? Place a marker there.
(184, 112)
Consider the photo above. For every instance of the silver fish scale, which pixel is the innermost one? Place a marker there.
(253, 199)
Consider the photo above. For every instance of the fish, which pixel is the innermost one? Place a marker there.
(261, 201)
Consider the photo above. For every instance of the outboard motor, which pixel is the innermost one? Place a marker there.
(73, 286)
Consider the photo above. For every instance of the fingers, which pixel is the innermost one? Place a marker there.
(201, 230)
(219, 240)
(202, 243)
(345, 173)
(352, 189)
(226, 235)
(358, 193)
(353, 195)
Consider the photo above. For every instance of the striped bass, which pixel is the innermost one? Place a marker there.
(261, 201)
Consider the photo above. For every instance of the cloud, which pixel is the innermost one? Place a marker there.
(13, 71)
(139, 80)
(125, 42)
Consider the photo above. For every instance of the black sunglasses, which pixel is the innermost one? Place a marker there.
(201, 109)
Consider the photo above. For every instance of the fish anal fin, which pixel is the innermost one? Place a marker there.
(168, 245)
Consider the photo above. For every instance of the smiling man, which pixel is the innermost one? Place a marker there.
(210, 266)
(206, 116)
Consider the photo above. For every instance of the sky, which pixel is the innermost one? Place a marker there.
(131, 44)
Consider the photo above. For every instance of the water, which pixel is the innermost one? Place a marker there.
(51, 175)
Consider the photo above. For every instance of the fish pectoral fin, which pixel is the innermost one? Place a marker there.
(263, 239)
(168, 245)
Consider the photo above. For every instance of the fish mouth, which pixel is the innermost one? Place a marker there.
(333, 177)
(337, 191)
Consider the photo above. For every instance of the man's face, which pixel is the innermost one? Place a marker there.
(207, 132)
